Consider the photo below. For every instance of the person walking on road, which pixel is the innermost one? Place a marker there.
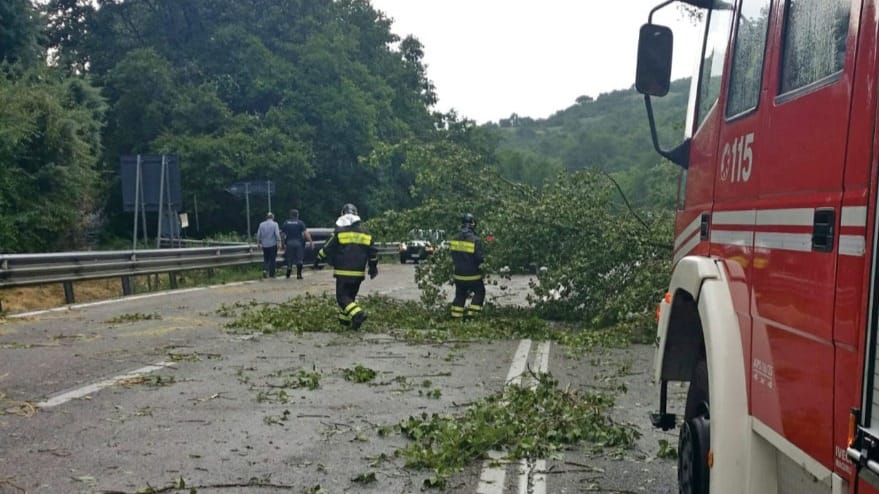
(349, 250)
(268, 236)
(467, 256)
(295, 233)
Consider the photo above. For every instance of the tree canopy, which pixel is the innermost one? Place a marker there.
(50, 137)
(321, 97)
(286, 90)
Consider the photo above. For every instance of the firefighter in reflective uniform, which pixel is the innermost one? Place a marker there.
(349, 250)
(466, 250)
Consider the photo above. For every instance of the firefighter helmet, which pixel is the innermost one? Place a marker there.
(349, 209)
(468, 219)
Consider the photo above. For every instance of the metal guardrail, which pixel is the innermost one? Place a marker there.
(35, 269)
(18, 270)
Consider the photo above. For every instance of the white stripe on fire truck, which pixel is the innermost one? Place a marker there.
(733, 237)
(747, 217)
(853, 216)
(800, 242)
(852, 245)
(786, 217)
(692, 228)
(687, 247)
(849, 245)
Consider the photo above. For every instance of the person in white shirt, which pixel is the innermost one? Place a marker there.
(268, 236)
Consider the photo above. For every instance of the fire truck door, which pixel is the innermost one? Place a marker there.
(794, 157)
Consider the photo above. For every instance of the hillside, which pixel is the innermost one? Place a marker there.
(608, 133)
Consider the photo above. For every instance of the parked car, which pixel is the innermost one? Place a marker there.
(319, 236)
(421, 244)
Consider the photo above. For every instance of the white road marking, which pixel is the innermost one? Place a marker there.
(535, 473)
(520, 361)
(539, 483)
(124, 299)
(532, 479)
(491, 481)
(92, 388)
(542, 358)
(494, 472)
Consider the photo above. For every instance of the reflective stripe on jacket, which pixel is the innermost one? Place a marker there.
(466, 250)
(349, 250)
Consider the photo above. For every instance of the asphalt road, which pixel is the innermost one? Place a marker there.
(204, 408)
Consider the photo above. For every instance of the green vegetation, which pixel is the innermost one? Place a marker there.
(413, 322)
(322, 98)
(276, 386)
(666, 450)
(507, 422)
(288, 91)
(364, 478)
(133, 317)
(359, 374)
(608, 133)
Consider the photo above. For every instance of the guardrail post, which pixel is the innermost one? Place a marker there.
(68, 292)
(172, 280)
(126, 285)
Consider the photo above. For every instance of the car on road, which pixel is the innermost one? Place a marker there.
(421, 244)
(319, 236)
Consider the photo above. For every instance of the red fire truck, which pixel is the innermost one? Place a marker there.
(772, 314)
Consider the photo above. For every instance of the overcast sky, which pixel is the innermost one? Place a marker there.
(491, 58)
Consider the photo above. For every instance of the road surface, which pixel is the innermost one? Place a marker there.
(93, 399)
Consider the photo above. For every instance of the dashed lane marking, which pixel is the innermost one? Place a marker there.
(532, 476)
(93, 388)
(494, 471)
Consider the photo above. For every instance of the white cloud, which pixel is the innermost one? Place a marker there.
(491, 58)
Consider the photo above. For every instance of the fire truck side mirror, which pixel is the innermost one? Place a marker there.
(655, 48)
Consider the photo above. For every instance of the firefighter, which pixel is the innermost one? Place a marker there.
(467, 256)
(349, 250)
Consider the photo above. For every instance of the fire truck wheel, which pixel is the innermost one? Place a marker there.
(695, 436)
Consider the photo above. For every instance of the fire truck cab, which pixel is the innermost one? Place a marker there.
(771, 313)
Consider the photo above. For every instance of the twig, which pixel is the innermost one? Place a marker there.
(8, 481)
(236, 485)
(626, 200)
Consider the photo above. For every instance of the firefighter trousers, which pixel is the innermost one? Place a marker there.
(463, 289)
(346, 293)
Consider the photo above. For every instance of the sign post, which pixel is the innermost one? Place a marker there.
(239, 189)
(151, 183)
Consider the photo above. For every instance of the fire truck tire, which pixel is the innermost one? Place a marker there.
(694, 441)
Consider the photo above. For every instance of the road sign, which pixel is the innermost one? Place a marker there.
(239, 189)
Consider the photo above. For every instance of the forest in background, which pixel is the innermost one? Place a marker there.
(321, 97)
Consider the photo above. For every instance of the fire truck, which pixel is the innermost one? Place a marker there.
(771, 311)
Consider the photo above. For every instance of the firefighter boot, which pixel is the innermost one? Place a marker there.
(357, 320)
(344, 318)
(299, 271)
(473, 312)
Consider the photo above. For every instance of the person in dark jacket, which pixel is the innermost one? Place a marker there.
(295, 234)
(467, 256)
(349, 250)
